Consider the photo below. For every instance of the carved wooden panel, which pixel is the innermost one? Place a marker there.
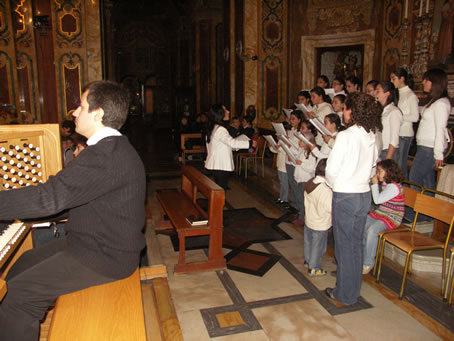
(273, 66)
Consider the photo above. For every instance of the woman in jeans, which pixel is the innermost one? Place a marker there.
(348, 173)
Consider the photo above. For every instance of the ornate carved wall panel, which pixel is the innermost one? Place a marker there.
(273, 61)
(70, 53)
(8, 76)
(26, 61)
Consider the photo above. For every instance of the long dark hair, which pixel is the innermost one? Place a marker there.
(334, 118)
(408, 79)
(355, 80)
(215, 117)
(366, 111)
(393, 93)
(439, 81)
(320, 92)
(393, 172)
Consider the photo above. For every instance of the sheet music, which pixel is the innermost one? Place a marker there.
(288, 141)
(303, 138)
(287, 112)
(320, 126)
(304, 109)
(242, 137)
(279, 128)
(287, 151)
(330, 92)
(270, 140)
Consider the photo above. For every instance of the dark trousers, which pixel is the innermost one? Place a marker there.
(34, 282)
(221, 177)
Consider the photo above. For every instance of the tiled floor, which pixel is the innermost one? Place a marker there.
(284, 304)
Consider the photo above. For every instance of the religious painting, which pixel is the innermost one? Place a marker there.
(442, 36)
(340, 61)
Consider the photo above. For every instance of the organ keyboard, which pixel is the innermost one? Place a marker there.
(29, 154)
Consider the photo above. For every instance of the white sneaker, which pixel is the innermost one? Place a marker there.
(367, 268)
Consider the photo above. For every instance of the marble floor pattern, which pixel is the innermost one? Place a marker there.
(284, 304)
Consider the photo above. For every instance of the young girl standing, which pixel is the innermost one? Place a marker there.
(304, 170)
(282, 171)
(391, 120)
(333, 124)
(348, 173)
(431, 138)
(389, 214)
(338, 105)
(408, 105)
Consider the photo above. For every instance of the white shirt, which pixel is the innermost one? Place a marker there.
(391, 120)
(321, 110)
(325, 149)
(291, 136)
(408, 104)
(350, 163)
(432, 130)
(306, 170)
(219, 150)
(100, 134)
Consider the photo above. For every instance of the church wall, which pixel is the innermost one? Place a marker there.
(46, 56)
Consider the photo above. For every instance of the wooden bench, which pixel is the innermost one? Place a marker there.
(197, 148)
(111, 311)
(178, 205)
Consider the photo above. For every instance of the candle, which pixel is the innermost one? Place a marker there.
(427, 6)
(406, 9)
(420, 8)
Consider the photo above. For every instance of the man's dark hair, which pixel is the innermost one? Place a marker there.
(111, 97)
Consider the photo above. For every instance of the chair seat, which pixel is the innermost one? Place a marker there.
(247, 155)
(408, 241)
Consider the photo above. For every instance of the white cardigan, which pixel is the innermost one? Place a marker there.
(432, 130)
(219, 150)
(349, 165)
(408, 104)
(391, 120)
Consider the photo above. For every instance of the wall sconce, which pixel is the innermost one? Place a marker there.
(239, 52)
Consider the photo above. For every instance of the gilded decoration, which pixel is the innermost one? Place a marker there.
(25, 63)
(393, 17)
(272, 26)
(336, 16)
(68, 28)
(391, 61)
(4, 32)
(7, 63)
(71, 77)
(22, 22)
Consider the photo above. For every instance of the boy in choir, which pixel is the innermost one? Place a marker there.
(348, 173)
(104, 191)
(318, 202)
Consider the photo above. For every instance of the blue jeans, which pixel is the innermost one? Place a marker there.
(283, 186)
(370, 240)
(404, 148)
(422, 172)
(300, 200)
(395, 156)
(314, 247)
(349, 218)
(292, 183)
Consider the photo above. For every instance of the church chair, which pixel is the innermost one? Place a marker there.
(410, 197)
(259, 155)
(450, 276)
(411, 241)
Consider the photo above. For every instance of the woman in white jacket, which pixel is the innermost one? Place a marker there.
(219, 145)
(391, 120)
(431, 138)
(408, 105)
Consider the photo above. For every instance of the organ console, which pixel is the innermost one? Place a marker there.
(29, 154)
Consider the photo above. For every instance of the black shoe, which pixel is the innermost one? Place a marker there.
(293, 210)
(329, 293)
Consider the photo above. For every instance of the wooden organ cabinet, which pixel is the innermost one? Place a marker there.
(29, 154)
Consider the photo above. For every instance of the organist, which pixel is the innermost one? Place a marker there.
(104, 190)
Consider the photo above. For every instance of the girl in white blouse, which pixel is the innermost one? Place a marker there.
(408, 105)
(391, 120)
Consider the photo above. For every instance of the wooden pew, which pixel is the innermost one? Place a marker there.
(179, 205)
(195, 148)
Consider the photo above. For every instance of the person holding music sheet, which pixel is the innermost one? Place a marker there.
(333, 124)
(104, 190)
(391, 120)
(304, 169)
(219, 145)
(348, 173)
(321, 107)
